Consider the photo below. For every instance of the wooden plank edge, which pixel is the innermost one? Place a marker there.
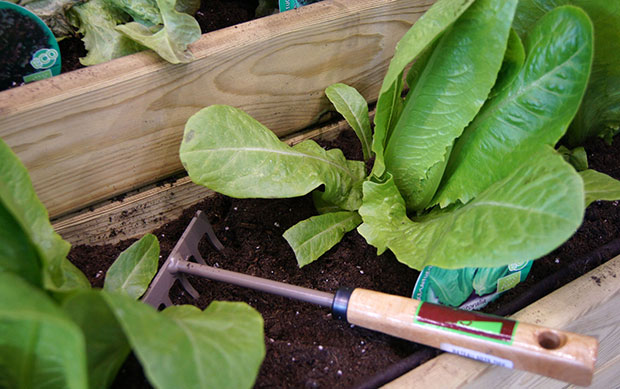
(598, 288)
(118, 71)
(144, 210)
(101, 139)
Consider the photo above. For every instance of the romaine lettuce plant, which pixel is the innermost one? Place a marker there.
(465, 172)
(58, 332)
(599, 114)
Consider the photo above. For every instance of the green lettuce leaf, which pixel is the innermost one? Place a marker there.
(97, 20)
(417, 67)
(189, 7)
(352, 106)
(523, 216)
(418, 38)
(39, 346)
(599, 114)
(599, 186)
(312, 237)
(576, 157)
(134, 269)
(323, 206)
(23, 213)
(18, 254)
(447, 95)
(106, 344)
(514, 58)
(170, 39)
(184, 347)
(142, 11)
(535, 109)
(230, 152)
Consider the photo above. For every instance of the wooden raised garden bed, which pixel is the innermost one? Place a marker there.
(98, 132)
(101, 145)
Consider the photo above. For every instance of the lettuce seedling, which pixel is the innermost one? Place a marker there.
(465, 174)
(58, 332)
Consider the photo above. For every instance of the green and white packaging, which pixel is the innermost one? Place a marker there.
(286, 5)
(468, 288)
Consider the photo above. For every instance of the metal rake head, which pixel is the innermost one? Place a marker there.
(186, 248)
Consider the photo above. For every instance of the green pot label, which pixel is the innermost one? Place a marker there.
(474, 324)
(30, 50)
(44, 58)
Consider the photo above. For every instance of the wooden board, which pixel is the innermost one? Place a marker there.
(94, 133)
(589, 305)
(148, 208)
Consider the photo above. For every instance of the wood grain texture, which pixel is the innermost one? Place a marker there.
(94, 133)
(589, 305)
(150, 207)
(560, 354)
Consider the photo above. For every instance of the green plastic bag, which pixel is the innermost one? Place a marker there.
(468, 288)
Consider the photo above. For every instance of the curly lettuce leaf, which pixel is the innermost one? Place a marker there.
(142, 11)
(97, 21)
(446, 96)
(523, 216)
(115, 28)
(53, 14)
(536, 108)
(169, 39)
(599, 114)
(230, 152)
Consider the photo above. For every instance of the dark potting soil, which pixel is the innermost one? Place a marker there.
(306, 347)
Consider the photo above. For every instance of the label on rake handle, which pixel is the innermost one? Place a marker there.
(474, 324)
(477, 355)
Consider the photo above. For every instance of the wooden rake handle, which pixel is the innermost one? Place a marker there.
(558, 354)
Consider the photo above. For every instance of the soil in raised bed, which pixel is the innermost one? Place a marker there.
(306, 347)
